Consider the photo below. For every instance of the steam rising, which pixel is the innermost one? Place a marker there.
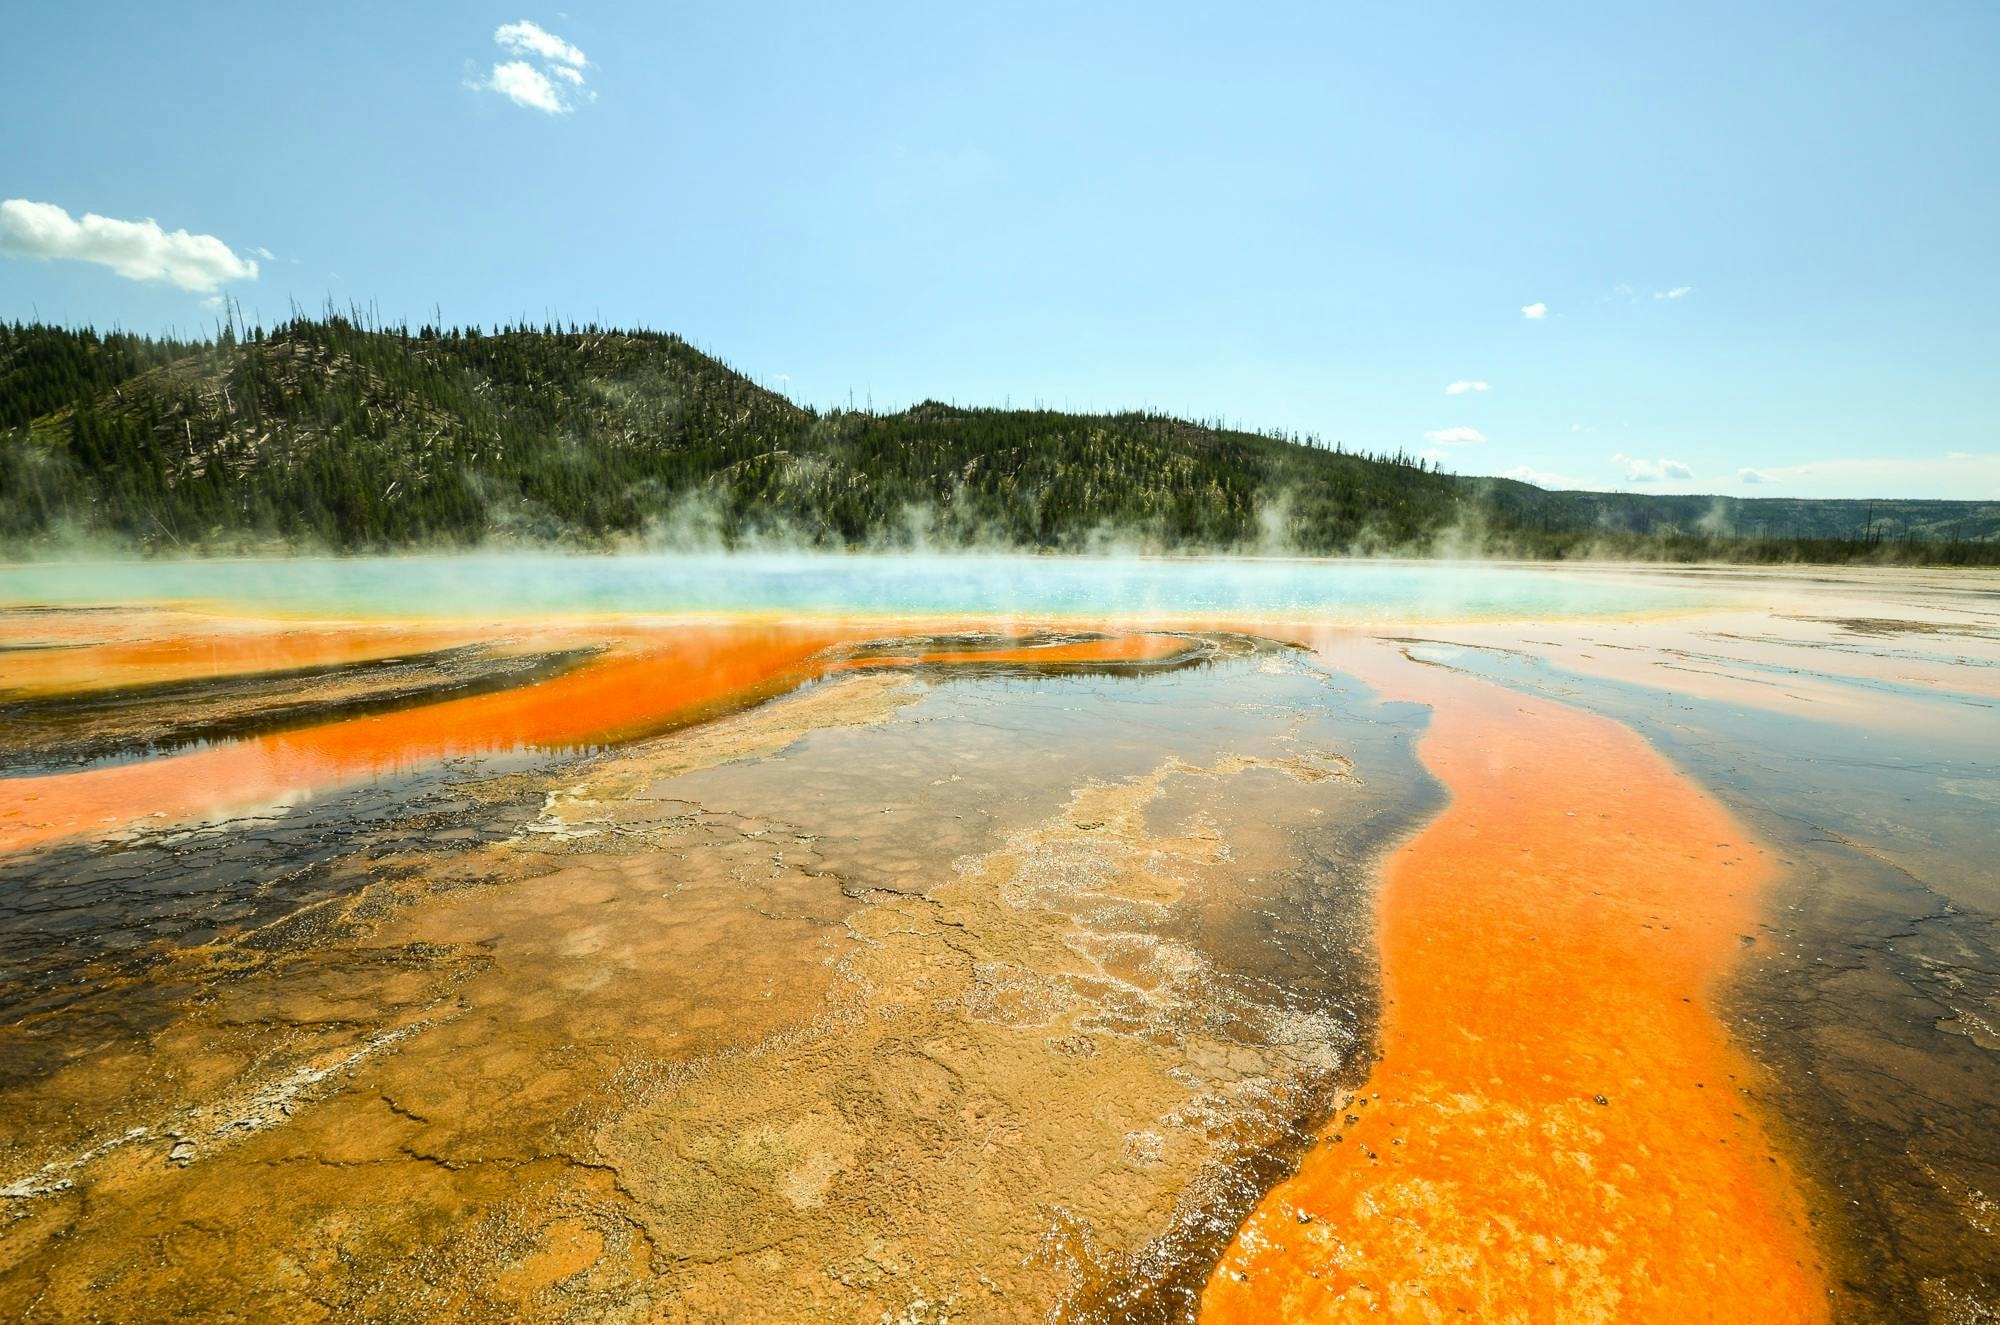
(999, 587)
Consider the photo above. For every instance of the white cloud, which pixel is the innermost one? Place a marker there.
(1678, 292)
(1455, 436)
(547, 76)
(1541, 478)
(1460, 388)
(137, 250)
(1639, 470)
(1752, 476)
(526, 38)
(1534, 312)
(265, 253)
(525, 85)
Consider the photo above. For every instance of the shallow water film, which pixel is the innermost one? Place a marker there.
(997, 939)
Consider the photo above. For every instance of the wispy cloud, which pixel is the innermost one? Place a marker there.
(1455, 436)
(1752, 476)
(547, 75)
(526, 38)
(1639, 470)
(137, 250)
(1535, 312)
(1460, 388)
(1678, 292)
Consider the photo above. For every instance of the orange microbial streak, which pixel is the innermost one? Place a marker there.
(173, 651)
(643, 683)
(1559, 1129)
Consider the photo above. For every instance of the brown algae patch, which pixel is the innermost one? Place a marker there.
(430, 1165)
(1023, 1073)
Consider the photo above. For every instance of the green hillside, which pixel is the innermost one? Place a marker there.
(326, 434)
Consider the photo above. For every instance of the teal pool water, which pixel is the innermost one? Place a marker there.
(985, 587)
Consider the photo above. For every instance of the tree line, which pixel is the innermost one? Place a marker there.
(334, 433)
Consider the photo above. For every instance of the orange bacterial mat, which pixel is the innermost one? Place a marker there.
(1558, 1129)
(644, 682)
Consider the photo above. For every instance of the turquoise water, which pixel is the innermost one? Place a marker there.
(990, 587)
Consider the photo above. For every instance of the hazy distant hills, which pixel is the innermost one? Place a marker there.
(1774, 518)
(324, 434)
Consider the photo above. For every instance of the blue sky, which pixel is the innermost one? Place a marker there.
(1314, 217)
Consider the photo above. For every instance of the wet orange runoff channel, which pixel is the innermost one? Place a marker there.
(644, 681)
(1558, 1128)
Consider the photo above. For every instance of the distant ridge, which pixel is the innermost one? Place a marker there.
(327, 434)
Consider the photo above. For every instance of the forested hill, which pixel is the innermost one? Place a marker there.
(327, 434)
